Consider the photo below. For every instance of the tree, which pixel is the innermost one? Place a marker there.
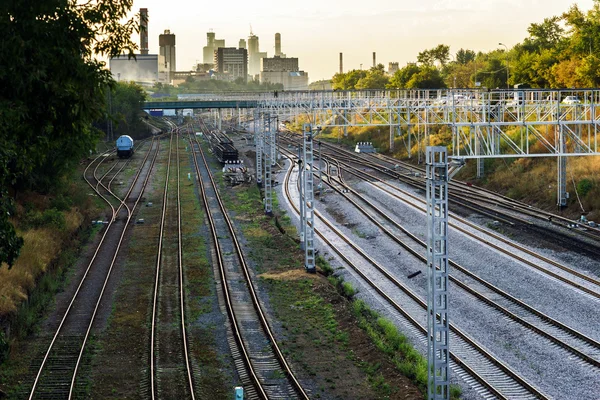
(465, 56)
(375, 79)
(545, 35)
(426, 78)
(401, 77)
(53, 88)
(348, 80)
(440, 53)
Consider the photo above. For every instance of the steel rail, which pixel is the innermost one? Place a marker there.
(266, 327)
(76, 293)
(547, 319)
(509, 373)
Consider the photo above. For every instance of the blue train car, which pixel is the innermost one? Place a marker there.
(124, 146)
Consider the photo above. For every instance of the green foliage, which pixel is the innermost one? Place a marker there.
(123, 108)
(50, 218)
(584, 186)
(4, 347)
(348, 80)
(388, 339)
(465, 56)
(427, 78)
(401, 77)
(440, 53)
(53, 88)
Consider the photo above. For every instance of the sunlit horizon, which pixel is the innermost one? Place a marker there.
(316, 32)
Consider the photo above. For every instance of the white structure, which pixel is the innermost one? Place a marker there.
(144, 68)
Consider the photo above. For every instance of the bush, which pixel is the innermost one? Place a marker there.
(584, 186)
(50, 218)
(61, 203)
(4, 347)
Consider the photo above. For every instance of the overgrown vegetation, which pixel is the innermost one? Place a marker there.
(53, 88)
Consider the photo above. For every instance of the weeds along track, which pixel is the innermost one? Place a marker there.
(263, 370)
(170, 370)
(471, 361)
(55, 373)
(538, 262)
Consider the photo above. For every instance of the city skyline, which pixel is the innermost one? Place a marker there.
(396, 31)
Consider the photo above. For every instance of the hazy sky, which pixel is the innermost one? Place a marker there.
(317, 31)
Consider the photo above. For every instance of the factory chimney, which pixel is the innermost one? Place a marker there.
(374, 60)
(278, 44)
(341, 64)
(143, 31)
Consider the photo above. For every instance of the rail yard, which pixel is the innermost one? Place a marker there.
(524, 284)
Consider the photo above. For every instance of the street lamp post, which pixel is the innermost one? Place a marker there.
(506, 47)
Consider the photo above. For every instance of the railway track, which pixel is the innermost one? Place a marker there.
(555, 270)
(263, 370)
(170, 367)
(574, 342)
(552, 268)
(473, 363)
(480, 199)
(58, 368)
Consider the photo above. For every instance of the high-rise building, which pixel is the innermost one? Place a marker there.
(231, 63)
(143, 31)
(166, 43)
(208, 51)
(253, 56)
(242, 44)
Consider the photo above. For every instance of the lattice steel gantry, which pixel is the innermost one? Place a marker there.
(438, 325)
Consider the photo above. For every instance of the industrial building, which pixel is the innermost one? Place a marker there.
(231, 63)
(284, 71)
(143, 69)
(278, 63)
(393, 67)
(166, 43)
(146, 69)
(212, 44)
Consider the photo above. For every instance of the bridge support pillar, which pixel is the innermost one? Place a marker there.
(438, 351)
